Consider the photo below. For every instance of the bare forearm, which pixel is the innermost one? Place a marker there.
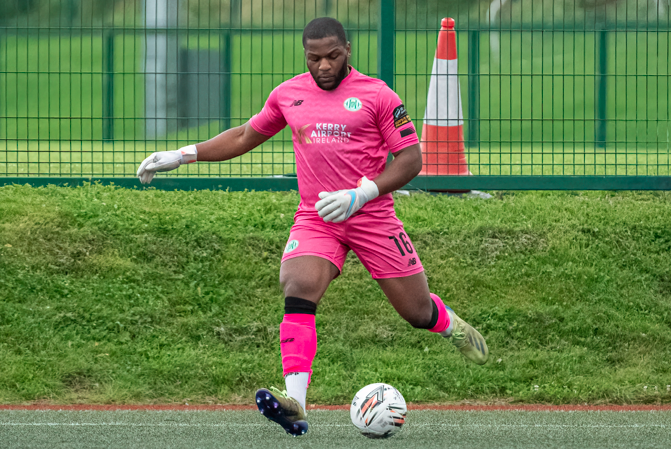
(406, 165)
(230, 144)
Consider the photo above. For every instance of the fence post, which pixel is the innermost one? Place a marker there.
(3, 110)
(70, 11)
(600, 89)
(108, 86)
(473, 88)
(225, 71)
(385, 42)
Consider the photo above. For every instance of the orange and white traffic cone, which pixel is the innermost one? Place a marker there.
(443, 129)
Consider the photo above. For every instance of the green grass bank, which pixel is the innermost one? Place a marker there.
(113, 295)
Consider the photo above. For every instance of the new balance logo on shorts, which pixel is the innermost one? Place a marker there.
(286, 340)
(412, 261)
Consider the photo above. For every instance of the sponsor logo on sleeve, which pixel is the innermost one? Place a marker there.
(407, 131)
(401, 116)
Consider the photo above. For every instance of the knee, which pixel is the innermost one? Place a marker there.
(301, 287)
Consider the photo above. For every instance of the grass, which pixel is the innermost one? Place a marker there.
(113, 295)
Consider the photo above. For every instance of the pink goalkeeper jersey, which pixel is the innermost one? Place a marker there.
(339, 135)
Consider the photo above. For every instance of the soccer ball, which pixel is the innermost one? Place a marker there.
(378, 410)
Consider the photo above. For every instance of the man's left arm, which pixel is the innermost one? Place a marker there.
(407, 164)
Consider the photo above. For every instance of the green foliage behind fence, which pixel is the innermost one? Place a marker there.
(536, 79)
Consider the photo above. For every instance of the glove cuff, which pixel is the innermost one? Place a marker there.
(369, 188)
(189, 154)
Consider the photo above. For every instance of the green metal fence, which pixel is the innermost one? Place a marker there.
(556, 94)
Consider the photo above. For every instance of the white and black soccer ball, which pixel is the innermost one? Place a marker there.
(378, 410)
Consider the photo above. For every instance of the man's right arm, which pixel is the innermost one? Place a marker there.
(227, 145)
(231, 143)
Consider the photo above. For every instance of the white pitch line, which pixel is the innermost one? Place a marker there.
(534, 426)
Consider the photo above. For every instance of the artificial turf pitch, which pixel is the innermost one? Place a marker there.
(332, 428)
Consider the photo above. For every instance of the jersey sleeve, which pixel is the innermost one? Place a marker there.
(270, 120)
(394, 122)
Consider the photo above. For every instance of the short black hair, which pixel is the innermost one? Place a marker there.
(324, 27)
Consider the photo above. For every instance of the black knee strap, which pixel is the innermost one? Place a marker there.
(299, 305)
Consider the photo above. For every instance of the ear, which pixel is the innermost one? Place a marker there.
(349, 49)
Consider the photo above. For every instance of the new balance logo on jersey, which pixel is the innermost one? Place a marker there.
(296, 103)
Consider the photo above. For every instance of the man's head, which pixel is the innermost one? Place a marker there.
(327, 52)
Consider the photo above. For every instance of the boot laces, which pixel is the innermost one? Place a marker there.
(291, 405)
(282, 393)
(459, 334)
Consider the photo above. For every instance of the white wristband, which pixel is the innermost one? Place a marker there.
(369, 188)
(189, 154)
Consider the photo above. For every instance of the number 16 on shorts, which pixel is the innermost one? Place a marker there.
(404, 246)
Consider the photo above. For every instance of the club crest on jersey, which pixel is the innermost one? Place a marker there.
(352, 104)
(291, 245)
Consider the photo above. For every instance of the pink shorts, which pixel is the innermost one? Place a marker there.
(377, 238)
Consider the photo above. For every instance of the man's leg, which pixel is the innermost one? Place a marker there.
(387, 252)
(304, 280)
(411, 298)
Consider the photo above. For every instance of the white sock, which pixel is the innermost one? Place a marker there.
(448, 332)
(297, 386)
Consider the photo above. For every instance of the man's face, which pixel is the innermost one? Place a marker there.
(327, 60)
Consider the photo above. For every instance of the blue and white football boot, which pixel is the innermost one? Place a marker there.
(278, 407)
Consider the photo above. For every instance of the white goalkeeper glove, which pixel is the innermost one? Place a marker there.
(339, 206)
(165, 161)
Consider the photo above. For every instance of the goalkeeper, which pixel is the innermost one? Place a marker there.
(344, 125)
